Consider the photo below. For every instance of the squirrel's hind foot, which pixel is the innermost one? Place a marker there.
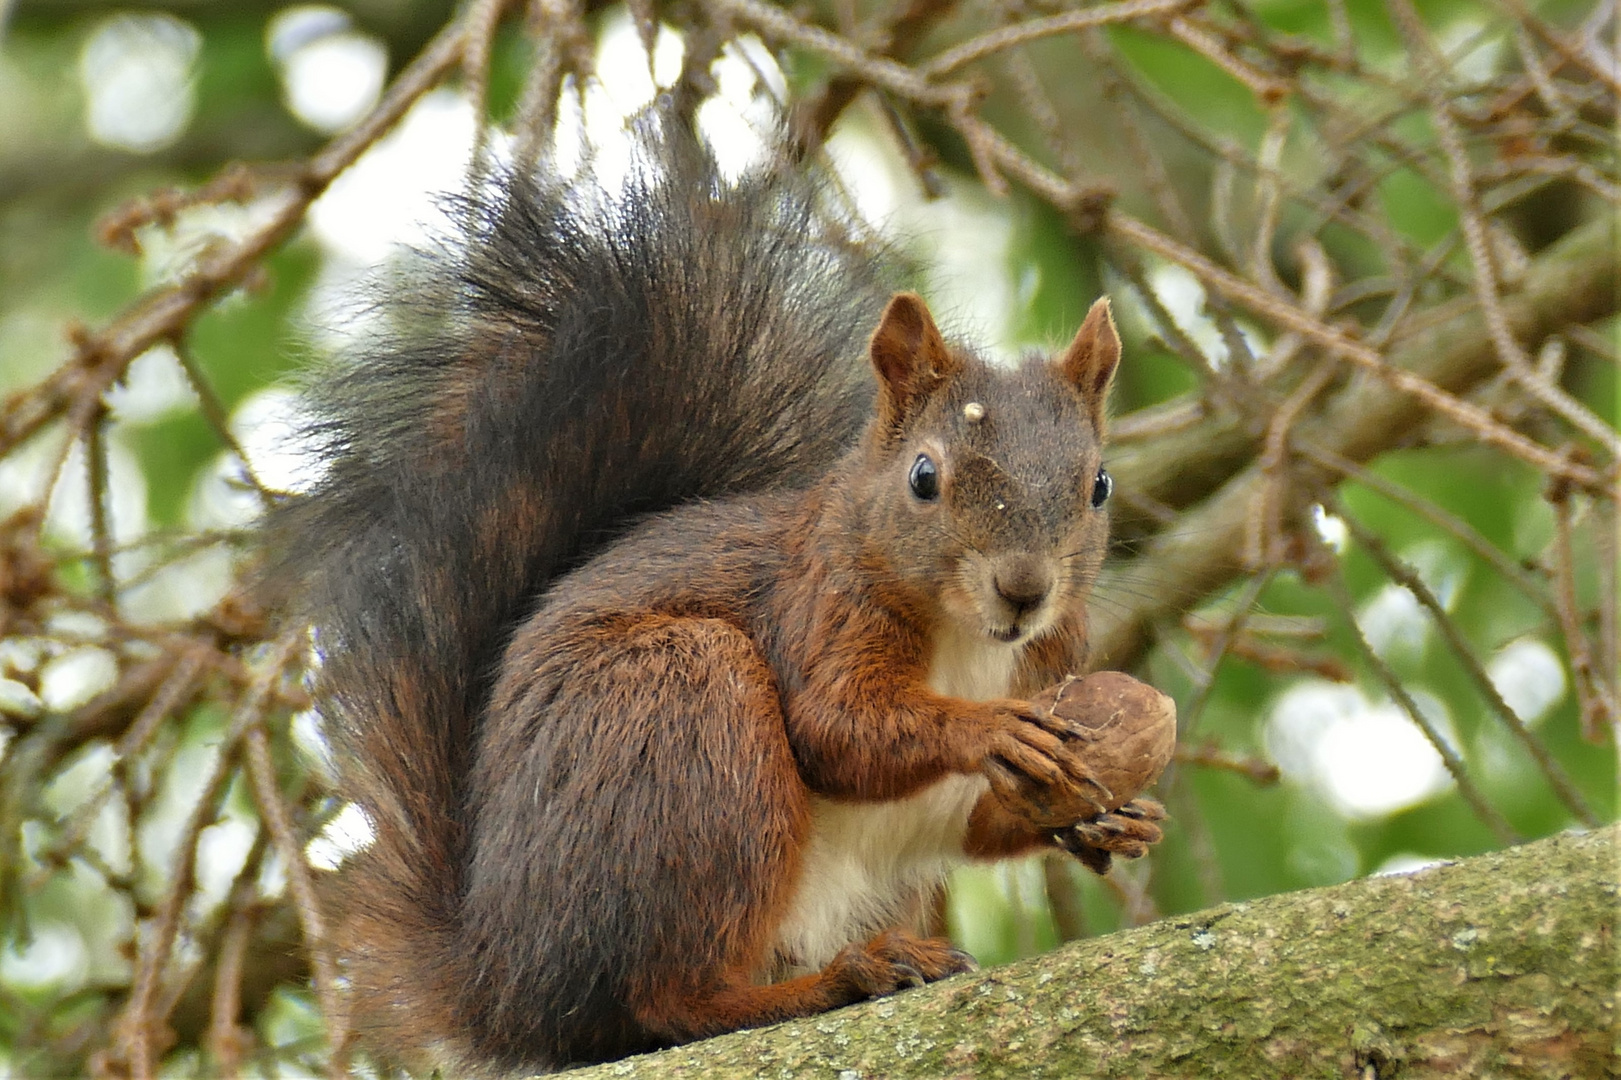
(894, 960)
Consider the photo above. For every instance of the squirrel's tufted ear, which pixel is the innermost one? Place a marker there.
(910, 357)
(1090, 361)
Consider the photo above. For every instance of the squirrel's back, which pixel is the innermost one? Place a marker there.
(573, 361)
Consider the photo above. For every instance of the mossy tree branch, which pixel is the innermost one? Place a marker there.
(1500, 965)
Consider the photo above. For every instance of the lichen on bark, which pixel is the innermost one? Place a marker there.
(1499, 965)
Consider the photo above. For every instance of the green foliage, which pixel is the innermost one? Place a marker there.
(1229, 837)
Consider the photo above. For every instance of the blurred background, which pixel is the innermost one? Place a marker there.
(1362, 253)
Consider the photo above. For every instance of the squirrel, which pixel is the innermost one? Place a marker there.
(677, 596)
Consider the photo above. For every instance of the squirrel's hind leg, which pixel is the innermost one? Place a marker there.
(724, 876)
(640, 828)
(666, 883)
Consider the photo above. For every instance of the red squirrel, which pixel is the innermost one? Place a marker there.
(678, 595)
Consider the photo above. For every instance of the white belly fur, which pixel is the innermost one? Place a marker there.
(867, 865)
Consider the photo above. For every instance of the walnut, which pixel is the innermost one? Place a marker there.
(1128, 726)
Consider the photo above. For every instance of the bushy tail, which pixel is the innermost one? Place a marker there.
(572, 361)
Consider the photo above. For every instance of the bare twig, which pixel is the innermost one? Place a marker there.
(225, 1035)
(561, 46)
(1264, 543)
(1063, 897)
(273, 811)
(1455, 526)
(1029, 30)
(1608, 74)
(1488, 814)
(175, 686)
(227, 1038)
(1208, 755)
(483, 19)
(213, 410)
(1454, 408)
(1598, 708)
(1408, 578)
(1197, 35)
(1189, 715)
(101, 540)
(137, 1027)
(101, 358)
(1474, 232)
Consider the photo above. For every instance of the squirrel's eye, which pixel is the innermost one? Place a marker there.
(925, 479)
(1102, 485)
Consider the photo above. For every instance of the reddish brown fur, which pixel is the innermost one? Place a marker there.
(744, 657)
(594, 843)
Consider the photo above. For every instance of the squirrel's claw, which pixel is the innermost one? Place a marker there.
(1094, 859)
(1052, 805)
(1033, 767)
(1143, 809)
(907, 976)
(1127, 832)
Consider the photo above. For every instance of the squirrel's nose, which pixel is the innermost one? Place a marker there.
(1024, 582)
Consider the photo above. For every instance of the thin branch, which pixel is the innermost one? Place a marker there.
(482, 19)
(99, 498)
(273, 811)
(136, 1026)
(1063, 897)
(1007, 37)
(1598, 709)
(227, 1038)
(1129, 265)
(1156, 420)
(1408, 578)
(1208, 755)
(1198, 36)
(1270, 199)
(1155, 174)
(176, 685)
(1264, 543)
(100, 358)
(1488, 814)
(555, 34)
(213, 410)
(1454, 408)
(1449, 523)
(1473, 223)
(225, 1035)
(1607, 74)
(880, 71)
(1188, 716)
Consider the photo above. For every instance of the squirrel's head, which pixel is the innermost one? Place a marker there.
(988, 497)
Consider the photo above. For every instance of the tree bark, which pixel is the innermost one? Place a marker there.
(1500, 965)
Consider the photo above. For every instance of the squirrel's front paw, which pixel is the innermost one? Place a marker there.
(1127, 832)
(1035, 767)
(1127, 731)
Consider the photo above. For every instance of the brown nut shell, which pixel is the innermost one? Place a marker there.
(1129, 726)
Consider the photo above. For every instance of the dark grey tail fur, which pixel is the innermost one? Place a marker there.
(572, 362)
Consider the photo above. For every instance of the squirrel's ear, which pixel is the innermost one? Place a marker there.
(1090, 361)
(910, 357)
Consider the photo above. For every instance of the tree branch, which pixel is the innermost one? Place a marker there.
(1573, 282)
(1502, 964)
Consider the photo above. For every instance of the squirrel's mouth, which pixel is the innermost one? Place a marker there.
(1008, 635)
